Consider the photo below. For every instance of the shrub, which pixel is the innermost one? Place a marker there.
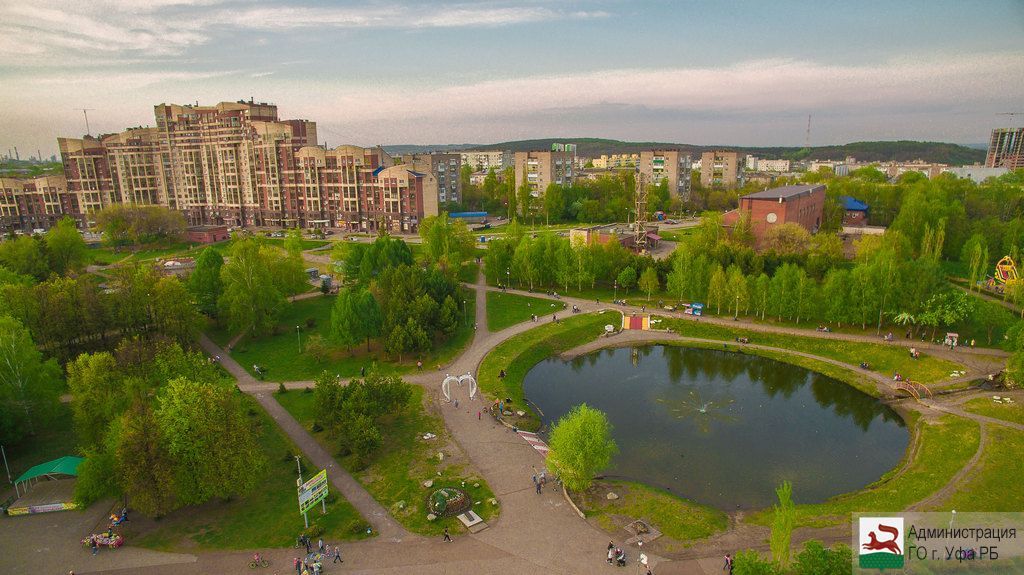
(281, 388)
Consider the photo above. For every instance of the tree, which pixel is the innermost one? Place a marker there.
(554, 203)
(66, 248)
(446, 242)
(317, 348)
(206, 431)
(783, 520)
(718, 289)
(626, 278)
(26, 256)
(510, 192)
(742, 231)
(525, 198)
(29, 385)
(750, 563)
(787, 239)
(251, 299)
(174, 315)
(581, 445)
(98, 395)
(738, 286)
(649, 281)
(145, 469)
(205, 282)
(816, 559)
(293, 242)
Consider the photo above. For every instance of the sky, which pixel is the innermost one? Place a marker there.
(401, 72)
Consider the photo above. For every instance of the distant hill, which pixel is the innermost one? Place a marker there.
(399, 149)
(902, 150)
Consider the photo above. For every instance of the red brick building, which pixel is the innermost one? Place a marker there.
(803, 205)
(207, 234)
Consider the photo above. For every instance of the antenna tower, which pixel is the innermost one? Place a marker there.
(807, 138)
(640, 225)
(85, 112)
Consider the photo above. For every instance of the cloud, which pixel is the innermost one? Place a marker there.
(171, 27)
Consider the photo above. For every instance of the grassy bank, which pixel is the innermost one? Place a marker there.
(518, 354)
(1012, 412)
(676, 518)
(995, 484)
(944, 447)
(506, 309)
(884, 359)
(279, 354)
(268, 517)
(396, 473)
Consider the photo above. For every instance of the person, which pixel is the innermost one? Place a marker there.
(728, 564)
(95, 546)
(296, 565)
(972, 343)
(611, 553)
(419, 365)
(256, 558)
(337, 554)
(124, 510)
(456, 404)
(620, 557)
(447, 537)
(478, 415)
(501, 374)
(320, 545)
(543, 477)
(362, 371)
(305, 539)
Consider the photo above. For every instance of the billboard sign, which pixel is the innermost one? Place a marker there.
(313, 491)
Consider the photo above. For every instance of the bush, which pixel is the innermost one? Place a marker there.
(311, 322)
(316, 428)
(281, 388)
(359, 528)
(750, 563)
(314, 531)
(307, 390)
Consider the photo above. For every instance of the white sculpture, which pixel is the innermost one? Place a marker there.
(446, 385)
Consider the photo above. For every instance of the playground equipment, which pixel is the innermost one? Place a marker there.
(1006, 272)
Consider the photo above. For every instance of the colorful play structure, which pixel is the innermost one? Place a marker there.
(1006, 272)
(634, 321)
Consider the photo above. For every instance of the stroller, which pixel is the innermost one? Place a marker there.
(620, 557)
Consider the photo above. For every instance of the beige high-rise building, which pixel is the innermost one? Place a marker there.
(445, 167)
(720, 169)
(1006, 149)
(28, 204)
(486, 159)
(541, 168)
(670, 165)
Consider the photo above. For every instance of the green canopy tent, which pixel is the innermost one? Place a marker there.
(67, 465)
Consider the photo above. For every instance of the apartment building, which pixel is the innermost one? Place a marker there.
(670, 165)
(238, 164)
(1006, 149)
(616, 161)
(28, 204)
(772, 165)
(445, 167)
(720, 169)
(487, 159)
(541, 168)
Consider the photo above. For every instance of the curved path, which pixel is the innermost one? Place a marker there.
(534, 533)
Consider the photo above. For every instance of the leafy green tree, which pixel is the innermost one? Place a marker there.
(524, 197)
(581, 446)
(448, 318)
(26, 256)
(510, 192)
(627, 278)
(718, 289)
(783, 521)
(787, 239)
(29, 385)
(66, 247)
(316, 348)
(816, 559)
(750, 563)
(145, 469)
(293, 242)
(205, 429)
(205, 282)
(99, 395)
(97, 477)
(398, 341)
(649, 281)
(251, 299)
(447, 242)
(173, 313)
(742, 231)
(738, 287)
(554, 203)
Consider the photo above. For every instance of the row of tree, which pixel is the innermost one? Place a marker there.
(138, 225)
(355, 413)
(60, 251)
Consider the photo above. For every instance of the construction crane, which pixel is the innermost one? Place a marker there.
(640, 225)
(85, 112)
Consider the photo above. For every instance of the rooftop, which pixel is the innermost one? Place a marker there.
(784, 193)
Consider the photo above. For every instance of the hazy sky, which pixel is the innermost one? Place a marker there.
(705, 72)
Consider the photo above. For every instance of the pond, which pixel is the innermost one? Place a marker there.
(724, 429)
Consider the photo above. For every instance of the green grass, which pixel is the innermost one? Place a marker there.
(306, 244)
(518, 354)
(884, 359)
(105, 256)
(674, 235)
(469, 272)
(995, 484)
(506, 309)
(55, 439)
(268, 517)
(676, 518)
(946, 445)
(279, 353)
(1012, 412)
(397, 472)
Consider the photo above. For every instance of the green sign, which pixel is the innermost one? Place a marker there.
(313, 491)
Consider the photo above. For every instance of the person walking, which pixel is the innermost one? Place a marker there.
(728, 564)
(297, 565)
(320, 546)
(479, 414)
(543, 477)
(337, 555)
(95, 546)
(447, 537)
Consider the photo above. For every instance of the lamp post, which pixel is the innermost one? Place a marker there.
(508, 277)
(616, 286)
(463, 310)
(298, 337)
(736, 313)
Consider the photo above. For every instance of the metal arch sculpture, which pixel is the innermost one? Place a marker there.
(446, 385)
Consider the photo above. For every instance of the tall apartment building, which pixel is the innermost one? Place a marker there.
(541, 168)
(28, 204)
(445, 167)
(487, 159)
(772, 165)
(616, 161)
(671, 165)
(720, 169)
(1006, 149)
(237, 164)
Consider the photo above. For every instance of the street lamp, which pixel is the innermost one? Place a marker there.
(736, 313)
(298, 336)
(508, 277)
(616, 285)
(463, 310)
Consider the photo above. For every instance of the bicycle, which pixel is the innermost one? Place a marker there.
(258, 561)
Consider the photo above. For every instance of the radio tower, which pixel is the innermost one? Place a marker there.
(807, 139)
(640, 229)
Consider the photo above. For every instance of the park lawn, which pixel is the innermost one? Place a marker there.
(674, 235)
(55, 439)
(944, 447)
(469, 272)
(396, 473)
(267, 517)
(1012, 412)
(517, 355)
(507, 309)
(279, 354)
(306, 244)
(675, 517)
(105, 256)
(994, 484)
(884, 359)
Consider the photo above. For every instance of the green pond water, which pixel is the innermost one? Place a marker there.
(724, 429)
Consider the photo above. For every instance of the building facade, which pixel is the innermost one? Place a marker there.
(615, 161)
(28, 204)
(238, 164)
(486, 159)
(803, 205)
(773, 165)
(720, 169)
(445, 167)
(538, 169)
(667, 165)
(1006, 149)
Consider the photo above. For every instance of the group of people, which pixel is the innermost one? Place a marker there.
(539, 481)
(312, 563)
(616, 556)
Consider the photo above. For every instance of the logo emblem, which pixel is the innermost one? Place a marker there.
(881, 543)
